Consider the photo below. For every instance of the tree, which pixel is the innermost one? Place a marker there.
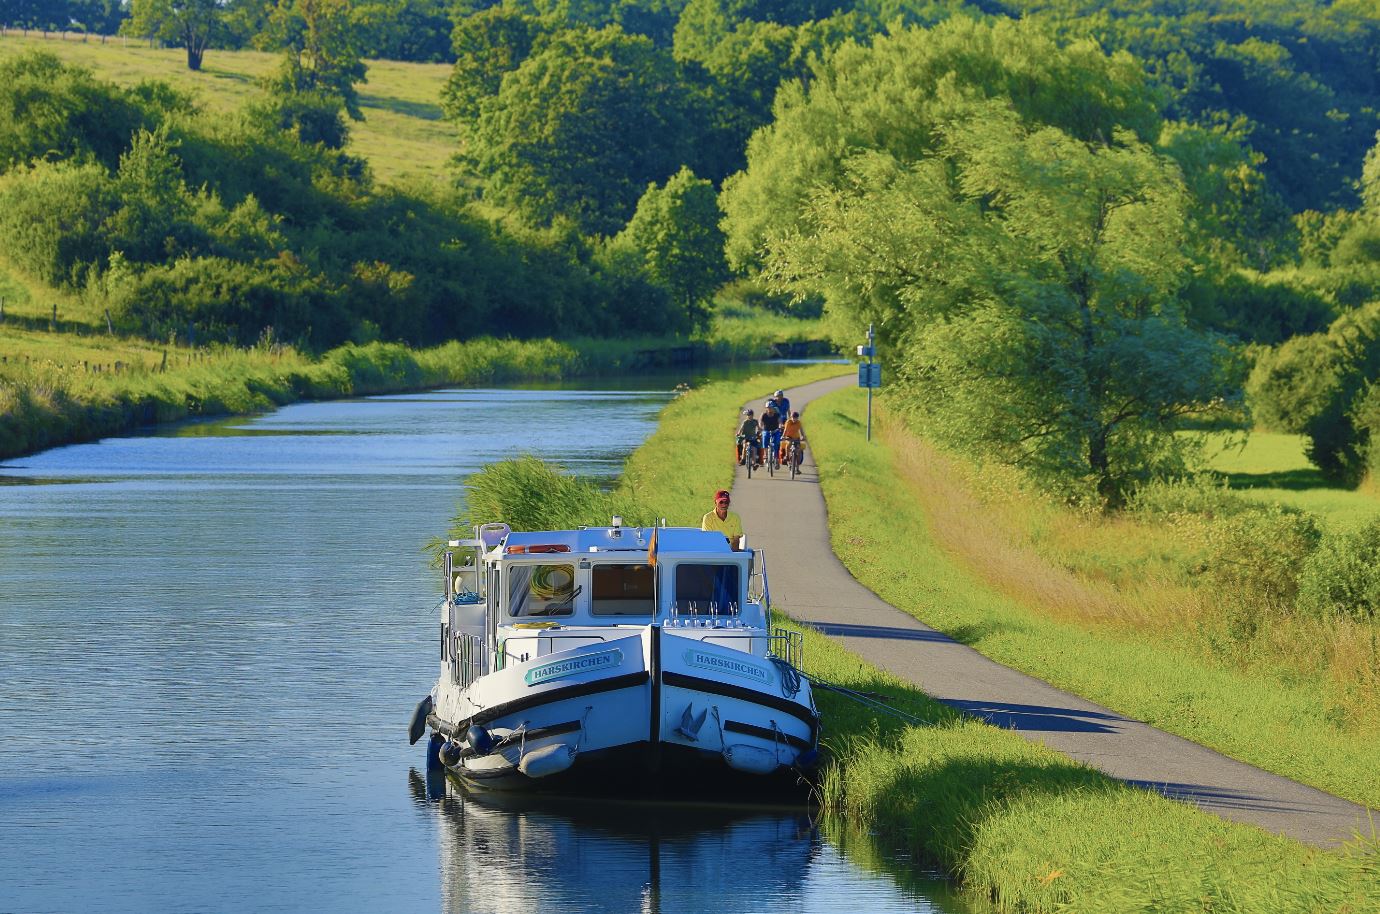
(579, 128)
(675, 234)
(889, 96)
(321, 64)
(193, 24)
(487, 45)
(404, 29)
(1026, 277)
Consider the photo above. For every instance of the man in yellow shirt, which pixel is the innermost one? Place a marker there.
(724, 521)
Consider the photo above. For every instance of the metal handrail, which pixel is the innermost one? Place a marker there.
(467, 653)
(791, 647)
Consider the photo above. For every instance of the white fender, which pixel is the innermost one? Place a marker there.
(750, 759)
(547, 760)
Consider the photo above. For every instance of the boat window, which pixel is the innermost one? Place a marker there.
(707, 589)
(623, 590)
(541, 590)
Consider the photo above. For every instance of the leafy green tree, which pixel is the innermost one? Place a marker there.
(487, 45)
(192, 24)
(321, 65)
(404, 30)
(891, 96)
(579, 128)
(1022, 255)
(154, 221)
(1370, 178)
(675, 234)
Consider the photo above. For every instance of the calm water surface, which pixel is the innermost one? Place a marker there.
(211, 640)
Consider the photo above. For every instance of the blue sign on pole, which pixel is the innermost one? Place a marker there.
(870, 375)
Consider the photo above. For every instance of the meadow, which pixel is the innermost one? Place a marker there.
(403, 135)
(1022, 827)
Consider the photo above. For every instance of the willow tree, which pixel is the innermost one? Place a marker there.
(1025, 272)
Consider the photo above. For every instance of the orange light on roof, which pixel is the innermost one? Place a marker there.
(537, 549)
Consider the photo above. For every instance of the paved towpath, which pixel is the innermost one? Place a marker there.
(788, 519)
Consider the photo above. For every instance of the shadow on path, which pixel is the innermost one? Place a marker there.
(845, 630)
(1038, 717)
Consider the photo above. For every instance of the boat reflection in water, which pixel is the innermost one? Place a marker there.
(513, 853)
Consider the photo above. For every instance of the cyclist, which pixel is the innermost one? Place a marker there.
(783, 406)
(748, 431)
(771, 429)
(793, 431)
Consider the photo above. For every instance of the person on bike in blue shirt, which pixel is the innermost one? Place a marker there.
(783, 405)
(750, 431)
(771, 428)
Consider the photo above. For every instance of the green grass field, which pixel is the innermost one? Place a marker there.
(403, 134)
(1272, 468)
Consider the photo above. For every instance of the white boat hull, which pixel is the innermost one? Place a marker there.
(628, 707)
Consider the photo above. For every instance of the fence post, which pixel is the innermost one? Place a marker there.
(2, 309)
(52, 324)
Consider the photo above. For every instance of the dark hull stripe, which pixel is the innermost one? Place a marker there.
(519, 705)
(800, 712)
(732, 726)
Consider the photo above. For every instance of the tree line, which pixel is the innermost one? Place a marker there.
(1076, 224)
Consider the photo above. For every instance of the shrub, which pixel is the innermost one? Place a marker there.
(1256, 557)
(1342, 577)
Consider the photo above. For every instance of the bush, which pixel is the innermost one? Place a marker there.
(1292, 384)
(1342, 577)
(1255, 558)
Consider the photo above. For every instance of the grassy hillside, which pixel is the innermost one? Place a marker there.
(402, 134)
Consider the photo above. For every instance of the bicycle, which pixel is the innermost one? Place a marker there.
(749, 454)
(793, 455)
(772, 442)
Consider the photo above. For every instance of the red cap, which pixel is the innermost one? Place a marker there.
(721, 495)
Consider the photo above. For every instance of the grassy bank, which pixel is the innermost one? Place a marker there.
(48, 402)
(59, 386)
(1022, 826)
(1158, 653)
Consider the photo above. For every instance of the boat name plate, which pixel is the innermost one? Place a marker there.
(585, 663)
(729, 665)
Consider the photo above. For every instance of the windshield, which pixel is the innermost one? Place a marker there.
(707, 589)
(623, 590)
(541, 590)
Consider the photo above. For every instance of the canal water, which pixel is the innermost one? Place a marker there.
(211, 641)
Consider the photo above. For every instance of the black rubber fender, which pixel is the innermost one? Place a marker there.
(418, 727)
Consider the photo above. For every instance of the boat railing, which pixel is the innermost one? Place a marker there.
(759, 591)
(789, 646)
(468, 654)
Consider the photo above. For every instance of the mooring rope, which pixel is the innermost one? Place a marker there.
(866, 700)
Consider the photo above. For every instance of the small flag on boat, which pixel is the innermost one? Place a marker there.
(651, 549)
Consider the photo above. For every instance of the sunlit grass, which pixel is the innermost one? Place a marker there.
(1273, 468)
(402, 134)
(1038, 587)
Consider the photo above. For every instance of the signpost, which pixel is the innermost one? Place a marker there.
(869, 374)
